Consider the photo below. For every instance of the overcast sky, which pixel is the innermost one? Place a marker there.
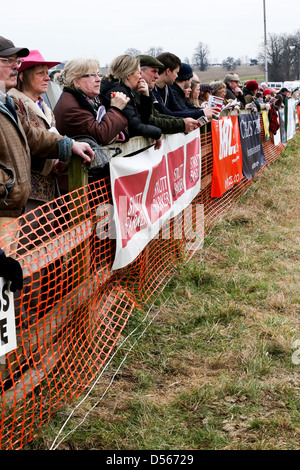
(104, 29)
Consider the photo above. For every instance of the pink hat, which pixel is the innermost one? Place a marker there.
(35, 58)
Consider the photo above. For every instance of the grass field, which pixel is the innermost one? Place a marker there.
(214, 364)
(246, 72)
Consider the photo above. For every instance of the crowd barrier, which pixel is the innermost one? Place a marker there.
(74, 307)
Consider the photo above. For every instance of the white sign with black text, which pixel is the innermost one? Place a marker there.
(8, 339)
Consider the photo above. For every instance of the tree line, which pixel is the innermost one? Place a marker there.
(283, 54)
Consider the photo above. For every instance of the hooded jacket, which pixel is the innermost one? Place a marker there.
(138, 117)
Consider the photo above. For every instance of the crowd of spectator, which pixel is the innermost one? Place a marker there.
(140, 96)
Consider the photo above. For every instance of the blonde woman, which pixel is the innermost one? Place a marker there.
(125, 77)
(194, 94)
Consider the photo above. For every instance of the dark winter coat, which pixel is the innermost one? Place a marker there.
(76, 116)
(166, 103)
(167, 124)
(138, 118)
(231, 96)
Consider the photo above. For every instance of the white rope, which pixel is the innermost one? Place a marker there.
(54, 446)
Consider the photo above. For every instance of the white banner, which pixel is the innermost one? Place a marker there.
(150, 188)
(291, 118)
(8, 340)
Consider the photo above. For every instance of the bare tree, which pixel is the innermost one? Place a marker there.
(229, 64)
(154, 51)
(132, 51)
(282, 61)
(200, 56)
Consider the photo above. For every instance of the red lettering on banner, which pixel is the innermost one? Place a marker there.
(158, 197)
(176, 172)
(192, 163)
(129, 192)
(227, 155)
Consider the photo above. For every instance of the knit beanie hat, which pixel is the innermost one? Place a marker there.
(252, 85)
(267, 92)
(185, 72)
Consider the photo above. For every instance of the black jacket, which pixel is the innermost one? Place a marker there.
(167, 124)
(184, 103)
(166, 104)
(138, 118)
(231, 96)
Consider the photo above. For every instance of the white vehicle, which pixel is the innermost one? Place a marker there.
(276, 85)
(292, 85)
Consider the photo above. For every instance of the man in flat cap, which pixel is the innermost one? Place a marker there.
(233, 90)
(168, 124)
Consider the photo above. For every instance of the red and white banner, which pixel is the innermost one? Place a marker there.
(150, 188)
(227, 155)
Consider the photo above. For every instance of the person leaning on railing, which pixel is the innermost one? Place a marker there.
(250, 91)
(233, 90)
(166, 102)
(168, 124)
(125, 77)
(178, 88)
(79, 110)
(32, 82)
(19, 140)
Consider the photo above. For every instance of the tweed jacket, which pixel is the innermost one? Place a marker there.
(18, 141)
(42, 180)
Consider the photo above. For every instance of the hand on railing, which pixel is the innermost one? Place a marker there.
(83, 150)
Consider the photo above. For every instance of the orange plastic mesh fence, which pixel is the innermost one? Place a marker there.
(73, 308)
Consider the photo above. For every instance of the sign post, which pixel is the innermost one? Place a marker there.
(8, 339)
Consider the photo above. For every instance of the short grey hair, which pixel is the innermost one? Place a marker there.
(76, 68)
(217, 85)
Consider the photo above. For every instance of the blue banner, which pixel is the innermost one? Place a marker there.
(252, 150)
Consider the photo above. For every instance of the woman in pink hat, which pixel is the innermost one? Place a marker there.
(32, 82)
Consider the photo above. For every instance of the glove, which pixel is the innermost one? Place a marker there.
(11, 269)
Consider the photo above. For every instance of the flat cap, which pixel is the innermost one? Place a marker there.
(230, 77)
(149, 61)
